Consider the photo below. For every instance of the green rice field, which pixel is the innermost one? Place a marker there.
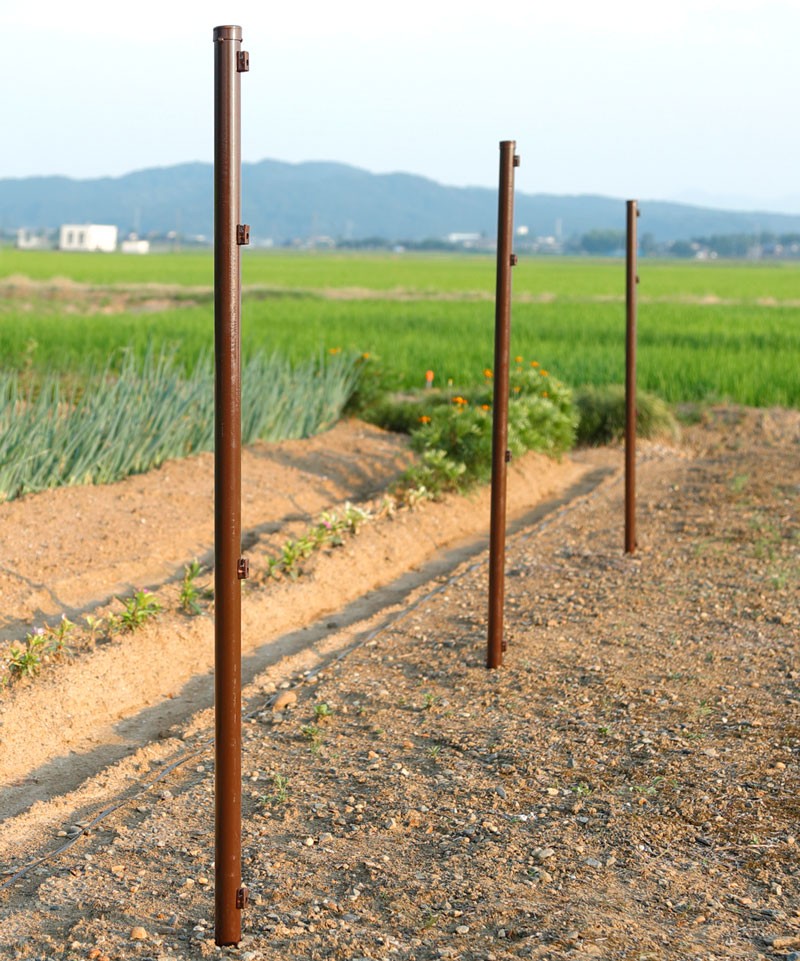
(707, 331)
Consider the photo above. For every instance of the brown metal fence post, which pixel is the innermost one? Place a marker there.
(500, 454)
(631, 280)
(229, 568)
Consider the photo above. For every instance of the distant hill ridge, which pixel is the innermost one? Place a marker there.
(284, 201)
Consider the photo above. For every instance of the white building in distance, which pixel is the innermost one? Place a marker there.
(33, 239)
(133, 245)
(88, 237)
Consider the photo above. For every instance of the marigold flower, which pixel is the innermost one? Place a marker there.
(543, 373)
(517, 360)
(486, 406)
(534, 363)
(460, 401)
(334, 350)
(487, 373)
(424, 419)
(545, 394)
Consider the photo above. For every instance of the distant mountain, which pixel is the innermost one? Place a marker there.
(283, 201)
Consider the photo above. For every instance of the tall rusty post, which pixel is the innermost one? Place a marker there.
(500, 453)
(229, 567)
(631, 280)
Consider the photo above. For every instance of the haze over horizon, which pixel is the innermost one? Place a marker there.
(688, 103)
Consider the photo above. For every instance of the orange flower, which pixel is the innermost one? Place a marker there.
(334, 350)
(486, 406)
(534, 363)
(424, 419)
(460, 401)
(487, 373)
(517, 360)
(517, 389)
(545, 394)
(543, 373)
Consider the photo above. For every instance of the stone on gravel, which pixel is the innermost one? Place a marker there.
(283, 700)
(786, 941)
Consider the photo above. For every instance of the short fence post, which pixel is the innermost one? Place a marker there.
(631, 280)
(500, 453)
(230, 896)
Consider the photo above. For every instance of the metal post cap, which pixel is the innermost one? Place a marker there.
(227, 33)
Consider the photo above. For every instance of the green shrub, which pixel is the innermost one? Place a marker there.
(453, 431)
(602, 415)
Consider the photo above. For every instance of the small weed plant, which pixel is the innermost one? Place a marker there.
(40, 646)
(329, 532)
(280, 794)
(27, 661)
(313, 734)
(191, 592)
(138, 610)
(95, 626)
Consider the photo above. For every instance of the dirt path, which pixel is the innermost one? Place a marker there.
(70, 551)
(625, 787)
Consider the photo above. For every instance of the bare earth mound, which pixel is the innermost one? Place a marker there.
(625, 787)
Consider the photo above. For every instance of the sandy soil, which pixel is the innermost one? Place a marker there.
(76, 552)
(625, 787)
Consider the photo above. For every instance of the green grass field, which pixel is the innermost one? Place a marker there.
(564, 278)
(707, 331)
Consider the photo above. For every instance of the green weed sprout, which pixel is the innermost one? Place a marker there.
(40, 646)
(139, 609)
(191, 593)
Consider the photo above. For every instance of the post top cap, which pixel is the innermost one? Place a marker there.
(230, 32)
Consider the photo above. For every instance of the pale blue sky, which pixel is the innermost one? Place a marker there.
(691, 100)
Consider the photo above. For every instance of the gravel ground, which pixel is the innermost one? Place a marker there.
(625, 787)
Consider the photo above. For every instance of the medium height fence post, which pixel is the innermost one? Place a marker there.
(229, 567)
(631, 280)
(500, 453)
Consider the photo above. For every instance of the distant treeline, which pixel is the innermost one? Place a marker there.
(597, 243)
(762, 244)
(742, 245)
(610, 243)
